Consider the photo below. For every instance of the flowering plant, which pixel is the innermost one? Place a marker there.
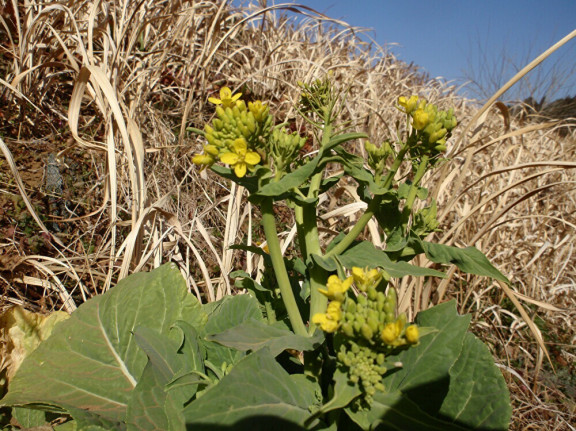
(318, 343)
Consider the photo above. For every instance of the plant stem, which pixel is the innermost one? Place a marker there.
(413, 191)
(269, 225)
(370, 210)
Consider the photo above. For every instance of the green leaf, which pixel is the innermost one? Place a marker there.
(231, 311)
(147, 407)
(29, 418)
(404, 191)
(344, 392)
(345, 137)
(257, 386)
(249, 182)
(365, 254)
(225, 314)
(424, 376)
(393, 411)
(469, 259)
(253, 335)
(87, 421)
(475, 381)
(290, 181)
(91, 361)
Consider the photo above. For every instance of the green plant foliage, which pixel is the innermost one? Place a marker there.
(444, 379)
(257, 386)
(254, 335)
(147, 355)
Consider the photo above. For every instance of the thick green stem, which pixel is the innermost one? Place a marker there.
(413, 191)
(269, 225)
(310, 240)
(310, 244)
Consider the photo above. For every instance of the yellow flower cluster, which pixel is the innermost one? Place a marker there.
(329, 321)
(234, 136)
(434, 125)
(370, 316)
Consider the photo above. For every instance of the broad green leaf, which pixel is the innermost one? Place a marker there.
(256, 386)
(253, 335)
(230, 311)
(146, 409)
(147, 406)
(394, 411)
(190, 348)
(91, 361)
(365, 254)
(424, 376)
(29, 418)
(475, 381)
(469, 259)
(84, 420)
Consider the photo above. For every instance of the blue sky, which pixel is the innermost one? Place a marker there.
(447, 38)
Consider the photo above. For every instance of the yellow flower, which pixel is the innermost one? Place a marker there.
(334, 311)
(365, 278)
(390, 333)
(240, 157)
(408, 104)
(206, 159)
(326, 324)
(420, 119)
(412, 334)
(258, 109)
(335, 288)
(227, 100)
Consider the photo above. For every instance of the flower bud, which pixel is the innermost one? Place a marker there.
(420, 119)
(412, 334)
(367, 332)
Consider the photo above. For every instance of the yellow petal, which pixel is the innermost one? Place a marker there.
(240, 169)
(229, 158)
(240, 146)
(214, 100)
(252, 158)
(225, 93)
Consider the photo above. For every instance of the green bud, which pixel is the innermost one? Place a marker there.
(351, 306)
(348, 329)
(367, 332)
(372, 293)
(373, 323)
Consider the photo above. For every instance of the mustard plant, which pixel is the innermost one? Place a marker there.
(318, 343)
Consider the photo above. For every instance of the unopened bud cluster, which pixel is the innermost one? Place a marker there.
(366, 324)
(285, 148)
(433, 126)
(377, 156)
(318, 97)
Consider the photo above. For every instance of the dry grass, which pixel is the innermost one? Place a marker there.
(110, 88)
